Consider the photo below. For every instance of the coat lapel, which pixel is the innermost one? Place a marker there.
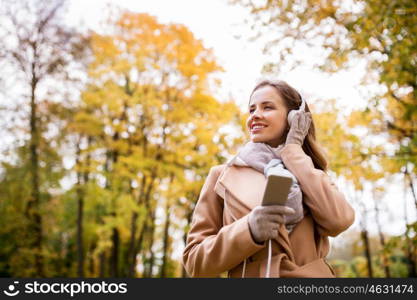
(245, 184)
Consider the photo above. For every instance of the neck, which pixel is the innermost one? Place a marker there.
(275, 144)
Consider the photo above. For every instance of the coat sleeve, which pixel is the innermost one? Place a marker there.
(329, 208)
(212, 248)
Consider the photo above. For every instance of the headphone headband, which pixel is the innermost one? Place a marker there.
(303, 104)
(294, 111)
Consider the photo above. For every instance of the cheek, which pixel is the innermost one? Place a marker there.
(247, 122)
(278, 118)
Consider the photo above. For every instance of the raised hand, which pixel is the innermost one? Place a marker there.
(299, 128)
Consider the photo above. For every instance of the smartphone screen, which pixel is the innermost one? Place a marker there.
(276, 190)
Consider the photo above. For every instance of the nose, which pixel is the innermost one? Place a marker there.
(256, 114)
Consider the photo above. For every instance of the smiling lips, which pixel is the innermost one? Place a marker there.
(257, 127)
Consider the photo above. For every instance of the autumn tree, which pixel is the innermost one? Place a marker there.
(342, 33)
(153, 131)
(37, 54)
(381, 33)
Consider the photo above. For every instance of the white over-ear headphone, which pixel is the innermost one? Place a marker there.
(292, 113)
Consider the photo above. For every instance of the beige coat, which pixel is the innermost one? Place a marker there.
(219, 239)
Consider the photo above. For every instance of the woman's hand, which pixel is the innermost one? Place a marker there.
(299, 128)
(264, 221)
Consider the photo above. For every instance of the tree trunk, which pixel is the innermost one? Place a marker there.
(114, 260)
(410, 181)
(412, 265)
(163, 273)
(365, 239)
(412, 261)
(131, 257)
(131, 253)
(138, 246)
(151, 235)
(80, 211)
(102, 264)
(381, 239)
(158, 157)
(91, 263)
(165, 247)
(184, 237)
(358, 198)
(146, 227)
(34, 203)
(80, 244)
(151, 241)
(384, 255)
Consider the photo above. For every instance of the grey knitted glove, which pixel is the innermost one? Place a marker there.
(299, 128)
(264, 221)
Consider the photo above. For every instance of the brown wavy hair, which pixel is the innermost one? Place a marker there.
(292, 100)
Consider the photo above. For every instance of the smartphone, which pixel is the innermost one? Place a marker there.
(276, 190)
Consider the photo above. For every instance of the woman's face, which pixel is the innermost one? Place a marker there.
(268, 111)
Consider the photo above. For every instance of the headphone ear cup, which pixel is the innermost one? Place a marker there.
(291, 115)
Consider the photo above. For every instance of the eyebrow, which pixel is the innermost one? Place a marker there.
(264, 102)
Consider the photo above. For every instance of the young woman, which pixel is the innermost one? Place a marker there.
(230, 228)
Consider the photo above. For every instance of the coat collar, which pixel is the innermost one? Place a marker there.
(245, 184)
